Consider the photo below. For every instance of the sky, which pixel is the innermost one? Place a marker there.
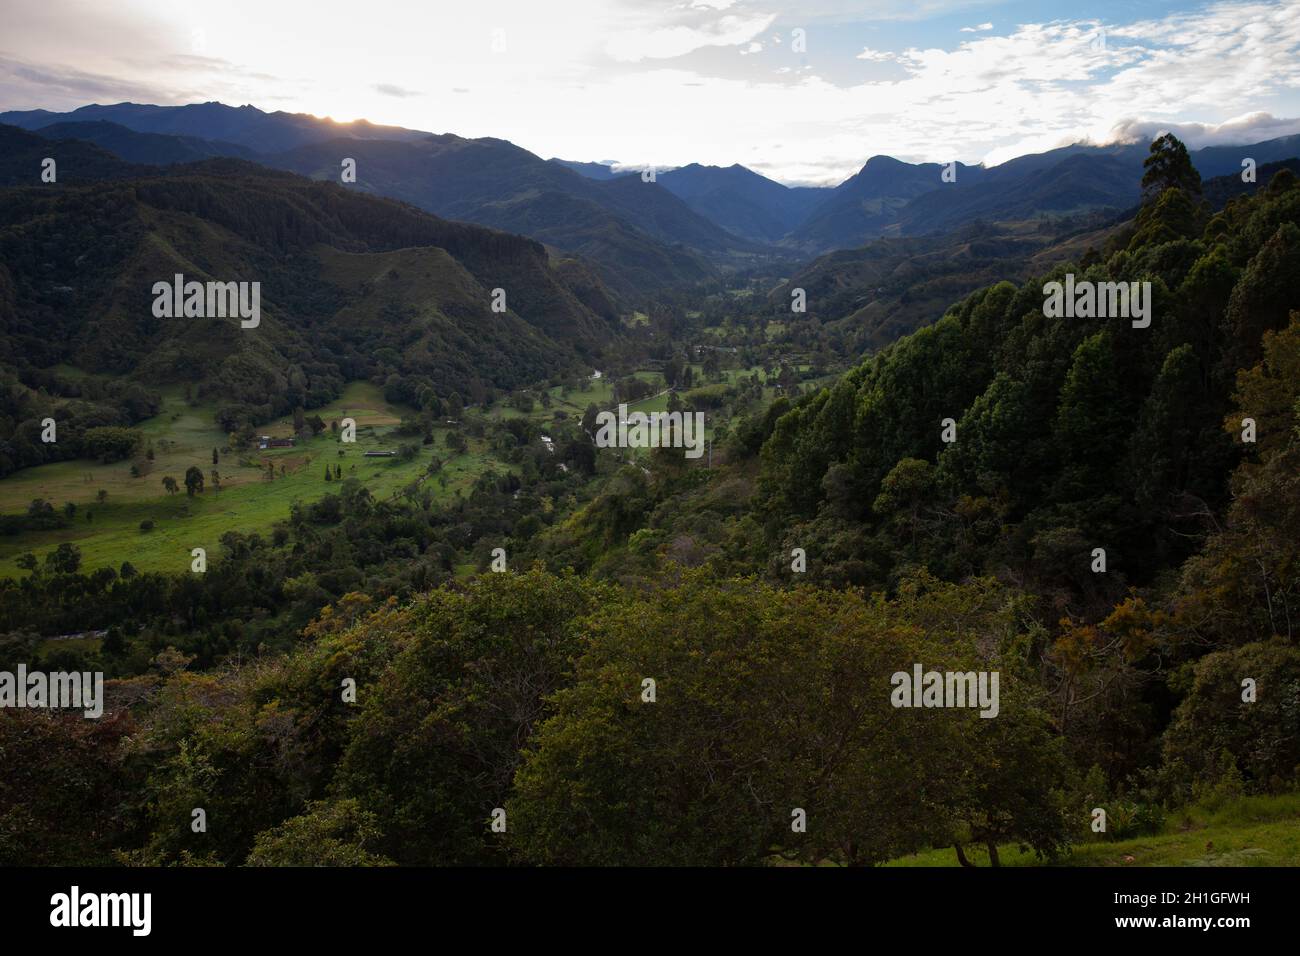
(803, 91)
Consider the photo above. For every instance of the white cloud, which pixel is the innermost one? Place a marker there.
(636, 44)
(979, 29)
(663, 84)
(1247, 128)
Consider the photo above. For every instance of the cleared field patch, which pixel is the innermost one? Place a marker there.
(110, 531)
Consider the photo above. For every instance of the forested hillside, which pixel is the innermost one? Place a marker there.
(670, 660)
(352, 286)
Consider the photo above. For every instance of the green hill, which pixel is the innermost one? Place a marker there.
(352, 287)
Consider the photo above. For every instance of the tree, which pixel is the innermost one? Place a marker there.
(1168, 166)
(905, 494)
(996, 446)
(1265, 295)
(65, 559)
(193, 481)
(1215, 716)
(1170, 216)
(1163, 443)
(1244, 585)
(1091, 417)
(328, 833)
(768, 700)
(110, 443)
(438, 738)
(60, 776)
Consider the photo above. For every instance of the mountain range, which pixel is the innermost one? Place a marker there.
(353, 286)
(688, 224)
(889, 197)
(639, 235)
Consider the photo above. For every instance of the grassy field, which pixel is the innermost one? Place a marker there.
(185, 435)
(599, 391)
(1247, 831)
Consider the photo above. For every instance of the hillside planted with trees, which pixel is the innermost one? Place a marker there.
(352, 287)
(683, 663)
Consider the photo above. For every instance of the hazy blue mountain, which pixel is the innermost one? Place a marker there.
(888, 287)
(639, 233)
(742, 201)
(868, 203)
(598, 171)
(22, 154)
(1075, 181)
(641, 239)
(1226, 160)
(481, 171)
(643, 236)
(889, 197)
(1222, 188)
(247, 126)
(156, 149)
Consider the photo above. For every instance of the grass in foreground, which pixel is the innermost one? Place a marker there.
(1246, 831)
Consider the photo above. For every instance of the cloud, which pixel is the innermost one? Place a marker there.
(388, 89)
(979, 29)
(642, 41)
(663, 77)
(61, 87)
(1247, 128)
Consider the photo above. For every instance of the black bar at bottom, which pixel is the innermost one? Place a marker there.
(646, 906)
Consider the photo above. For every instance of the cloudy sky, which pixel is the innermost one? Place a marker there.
(801, 91)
